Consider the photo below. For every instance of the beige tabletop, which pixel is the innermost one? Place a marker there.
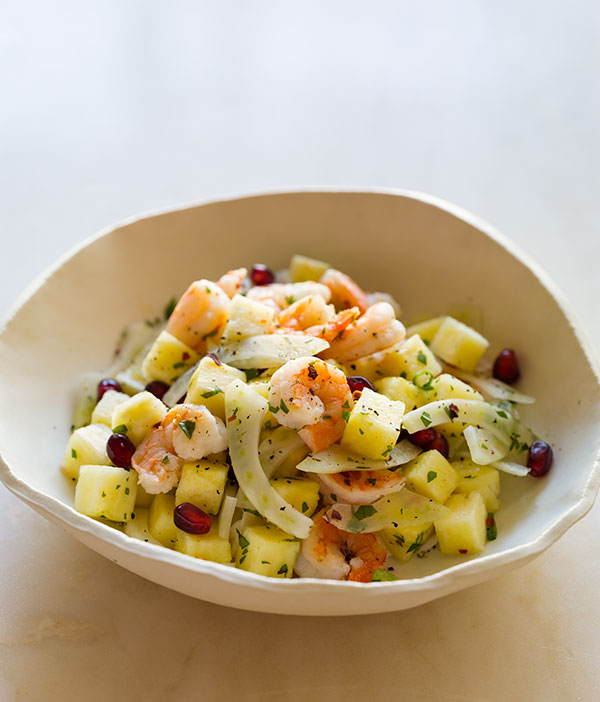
(110, 108)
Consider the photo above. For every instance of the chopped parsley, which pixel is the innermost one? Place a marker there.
(422, 358)
(165, 460)
(121, 429)
(382, 576)
(426, 418)
(432, 475)
(283, 570)
(283, 407)
(211, 393)
(252, 373)
(502, 413)
(304, 507)
(187, 426)
(490, 527)
(179, 364)
(364, 511)
(242, 540)
(346, 415)
(73, 453)
(170, 306)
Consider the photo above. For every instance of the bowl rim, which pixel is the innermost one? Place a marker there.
(439, 580)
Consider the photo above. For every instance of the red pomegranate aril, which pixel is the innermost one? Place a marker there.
(357, 383)
(108, 384)
(157, 388)
(191, 519)
(506, 367)
(261, 275)
(440, 443)
(539, 459)
(423, 438)
(120, 450)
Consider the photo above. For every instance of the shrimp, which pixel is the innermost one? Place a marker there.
(351, 336)
(344, 291)
(307, 312)
(200, 314)
(311, 396)
(186, 433)
(361, 487)
(231, 282)
(282, 295)
(330, 553)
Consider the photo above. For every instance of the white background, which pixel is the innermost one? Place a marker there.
(111, 108)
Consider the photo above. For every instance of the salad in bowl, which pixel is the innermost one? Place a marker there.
(289, 424)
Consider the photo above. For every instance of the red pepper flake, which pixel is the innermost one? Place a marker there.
(452, 411)
(490, 521)
(312, 372)
(215, 358)
(185, 356)
(462, 550)
(336, 515)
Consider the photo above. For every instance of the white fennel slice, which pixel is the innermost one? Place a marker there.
(271, 350)
(336, 459)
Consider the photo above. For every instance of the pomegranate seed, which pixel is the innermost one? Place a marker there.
(191, 519)
(463, 551)
(539, 459)
(506, 367)
(157, 388)
(106, 385)
(120, 450)
(357, 383)
(440, 443)
(423, 438)
(261, 275)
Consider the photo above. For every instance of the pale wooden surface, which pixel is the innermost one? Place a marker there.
(115, 107)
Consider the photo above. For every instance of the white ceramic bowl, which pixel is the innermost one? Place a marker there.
(429, 254)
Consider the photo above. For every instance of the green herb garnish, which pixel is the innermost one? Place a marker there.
(187, 426)
(382, 576)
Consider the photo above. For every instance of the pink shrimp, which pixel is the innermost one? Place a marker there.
(232, 281)
(361, 487)
(344, 291)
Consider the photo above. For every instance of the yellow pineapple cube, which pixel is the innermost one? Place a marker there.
(246, 318)
(426, 330)
(404, 542)
(482, 479)
(266, 550)
(107, 492)
(301, 493)
(138, 528)
(432, 476)
(208, 384)
(103, 411)
(373, 425)
(447, 387)
(137, 415)
(203, 484)
(209, 547)
(397, 388)
(86, 445)
(462, 530)
(303, 268)
(459, 345)
(412, 359)
(168, 358)
(160, 520)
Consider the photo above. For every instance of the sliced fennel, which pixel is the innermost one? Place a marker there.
(179, 387)
(494, 419)
(511, 468)
(336, 459)
(484, 447)
(276, 447)
(85, 399)
(226, 516)
(491, 387)
(138, 337)
(271, 350)
(400, 509)
(245, 409)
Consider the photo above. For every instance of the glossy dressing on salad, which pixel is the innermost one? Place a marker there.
(289, 425)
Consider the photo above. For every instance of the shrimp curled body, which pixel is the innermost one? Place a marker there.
(186, 433)
(331, 553)
(311, 396)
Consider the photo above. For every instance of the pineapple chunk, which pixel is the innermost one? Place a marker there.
(301, 493)
(136, 416)
(459, 345)
(208, 384)
(303, 268)
(143, 499)
(246, 318)
(103, 411)
(209, 547)
(407, 359)
(482, 479)
(86, 445)
(462, 530)
(426, 330)
(403, 542)
(138, 528)
(447, 387)
(106, 491)
(160, 520)
(401, 389)
(168, 358)
(203, 484)
(373, 425)
(266, 550)
(432, 476)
